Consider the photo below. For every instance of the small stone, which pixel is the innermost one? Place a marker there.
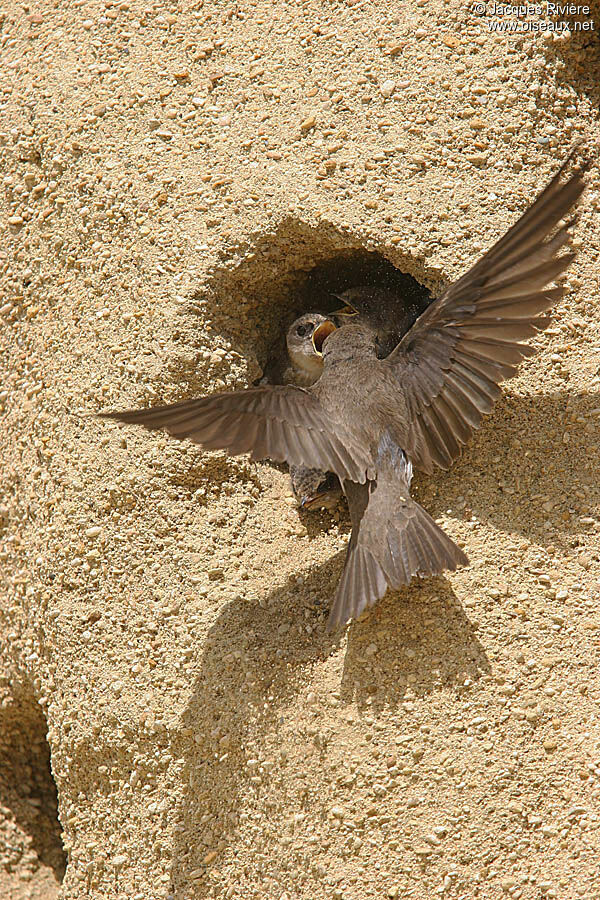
(119, 861)
(432, 839)
(15, 221)
(165, 134)
(99, 110)
(308, 124)
(550, 744)
(387, 88)
(93, 532)
(477, 159)
(451, 40)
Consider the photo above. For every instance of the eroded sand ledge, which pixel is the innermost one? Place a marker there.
(168, 171)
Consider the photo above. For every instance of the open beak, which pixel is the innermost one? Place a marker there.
(323, 499)
(320, 334)
(345, 310)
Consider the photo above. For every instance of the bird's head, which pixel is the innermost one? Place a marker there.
(305, 339)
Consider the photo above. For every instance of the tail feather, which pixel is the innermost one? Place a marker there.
(414, 545)
(443, 552)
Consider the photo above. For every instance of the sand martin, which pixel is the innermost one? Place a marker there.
(390, 312)
(371, 420)
(311, 487)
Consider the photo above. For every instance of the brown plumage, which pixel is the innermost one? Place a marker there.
(393, 538)
(389, 313)
(313, 488)
(368, 419)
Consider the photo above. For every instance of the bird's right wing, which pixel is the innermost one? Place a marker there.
(283, 423)
(450, 363)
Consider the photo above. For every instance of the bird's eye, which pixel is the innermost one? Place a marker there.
(301, 330)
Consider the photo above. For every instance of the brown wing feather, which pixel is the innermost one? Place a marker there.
(393, 539)
(450, 363)
(283, 423)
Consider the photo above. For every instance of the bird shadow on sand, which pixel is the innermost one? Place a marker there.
(260, 658)
(259, 661)
(520, 474)
(517, 474)
(214, 473)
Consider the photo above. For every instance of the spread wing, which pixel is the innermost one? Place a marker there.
(393, 539)
(450, 363)
(283, 423)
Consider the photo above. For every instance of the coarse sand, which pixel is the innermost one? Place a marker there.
(172, 173)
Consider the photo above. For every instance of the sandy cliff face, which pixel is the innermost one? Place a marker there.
(171, 173)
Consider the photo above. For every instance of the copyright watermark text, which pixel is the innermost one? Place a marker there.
(523, 17)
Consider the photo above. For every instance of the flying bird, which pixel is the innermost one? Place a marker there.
(390, 313)
(371, 420)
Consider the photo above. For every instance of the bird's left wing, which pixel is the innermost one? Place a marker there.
(283, 423)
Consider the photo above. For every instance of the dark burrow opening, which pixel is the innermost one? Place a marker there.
(232, 332)
(30, 832)
(257, 291)
(318, 289)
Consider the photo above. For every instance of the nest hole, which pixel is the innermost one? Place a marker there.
(30, 831)
(254, 296)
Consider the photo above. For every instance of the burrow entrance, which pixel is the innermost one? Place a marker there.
(31, 848)
(252, 298)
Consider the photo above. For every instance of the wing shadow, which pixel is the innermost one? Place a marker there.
(259, 658)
